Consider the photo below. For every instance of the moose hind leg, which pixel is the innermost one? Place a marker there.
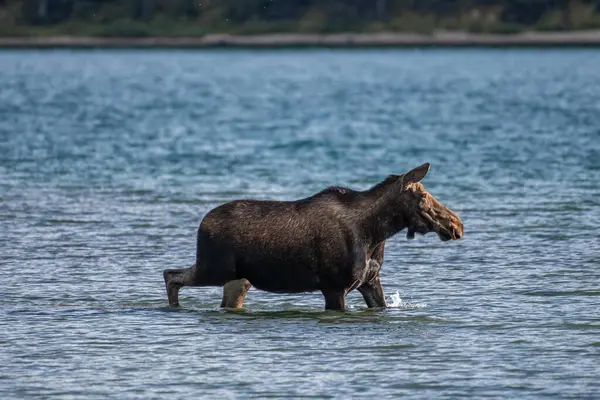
(175, 279)
(234, 293)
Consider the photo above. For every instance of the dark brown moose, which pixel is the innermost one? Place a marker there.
(332, 241)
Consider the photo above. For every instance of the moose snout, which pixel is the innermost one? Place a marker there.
(456, 229)
(457, 232)
(451, 227)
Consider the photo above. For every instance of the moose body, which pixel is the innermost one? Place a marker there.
(331, 242)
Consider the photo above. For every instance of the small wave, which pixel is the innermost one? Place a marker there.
(395, 301)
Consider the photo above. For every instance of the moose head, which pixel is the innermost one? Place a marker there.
(422, 212)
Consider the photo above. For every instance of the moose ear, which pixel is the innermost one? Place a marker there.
(416, 174)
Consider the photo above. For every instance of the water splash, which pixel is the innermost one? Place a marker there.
(395, 301)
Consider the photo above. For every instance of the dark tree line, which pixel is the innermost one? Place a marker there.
(345, 13)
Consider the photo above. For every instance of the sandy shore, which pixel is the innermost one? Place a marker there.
(441, 39)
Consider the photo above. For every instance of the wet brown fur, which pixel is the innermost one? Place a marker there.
(332, 241)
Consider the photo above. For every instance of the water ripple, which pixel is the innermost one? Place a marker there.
(110, 159)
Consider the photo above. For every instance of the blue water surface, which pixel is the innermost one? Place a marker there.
(110, 159)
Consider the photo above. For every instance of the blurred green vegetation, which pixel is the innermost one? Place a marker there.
(172, 18)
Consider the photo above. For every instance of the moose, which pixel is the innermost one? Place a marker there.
(332, 241)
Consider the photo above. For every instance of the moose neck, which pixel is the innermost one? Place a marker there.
(382, 213)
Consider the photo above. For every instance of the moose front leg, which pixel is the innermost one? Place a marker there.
(234, 293)
(372, 292)
(377, 253)
(335, 300)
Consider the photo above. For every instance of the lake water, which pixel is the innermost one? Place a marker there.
(110, 159)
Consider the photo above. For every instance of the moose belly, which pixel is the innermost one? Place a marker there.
(280, 278)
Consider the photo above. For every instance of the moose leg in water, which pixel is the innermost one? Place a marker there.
(175, 279)
(335, 300)
(234, 293)
(371, 290)
(215, 268)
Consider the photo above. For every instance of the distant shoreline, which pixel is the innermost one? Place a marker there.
(438, 39)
